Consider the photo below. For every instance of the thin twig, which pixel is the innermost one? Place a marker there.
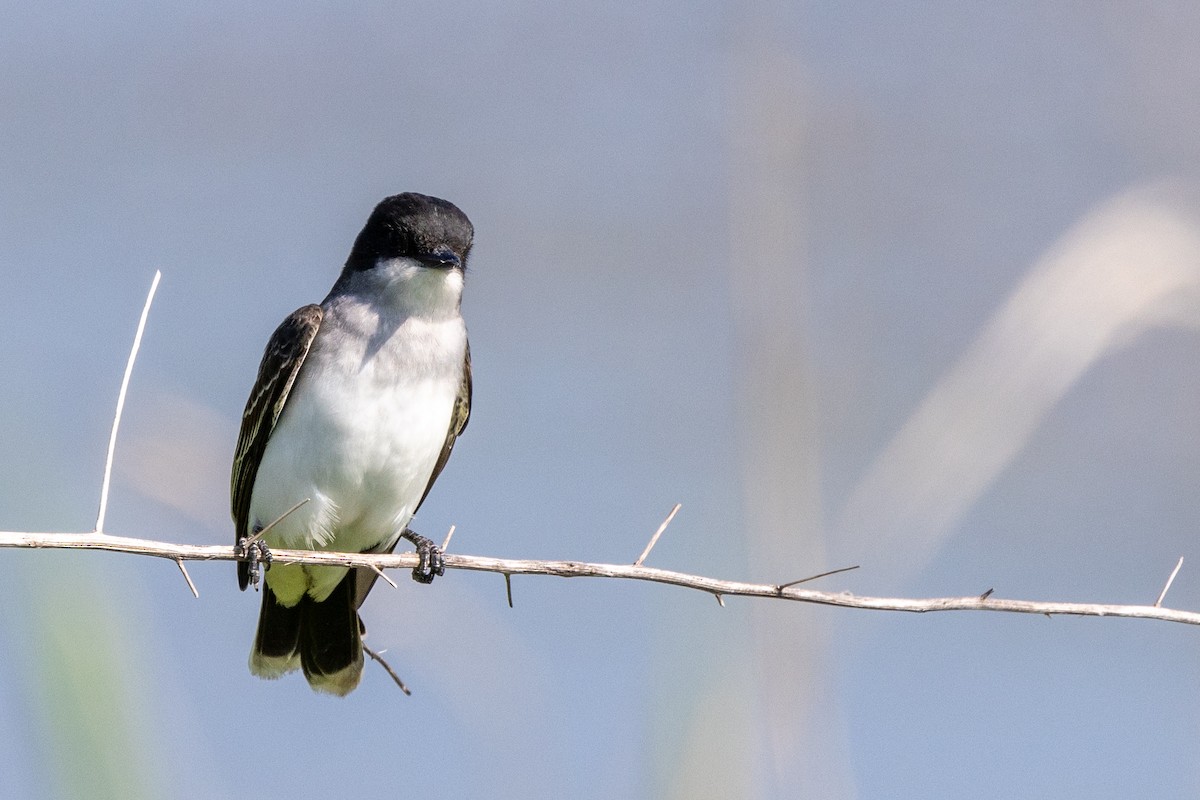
(837, 571)
(578, 569)
(112, 438)
(252, 539)
(378, 657)
(449, 536)
(658, 533)
(1163, 594)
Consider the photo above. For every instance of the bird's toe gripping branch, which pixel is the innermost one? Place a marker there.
(431, 562)
(254, 551)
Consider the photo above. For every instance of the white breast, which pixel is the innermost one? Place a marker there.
(359, 436)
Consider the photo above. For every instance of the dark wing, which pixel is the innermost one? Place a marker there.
(276, 375)
(458, 424)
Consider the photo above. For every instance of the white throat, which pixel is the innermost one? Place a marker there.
(405, 286)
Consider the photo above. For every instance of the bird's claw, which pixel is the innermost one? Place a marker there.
(431, 564)
(254, 552)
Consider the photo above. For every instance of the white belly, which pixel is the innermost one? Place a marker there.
(358, 438)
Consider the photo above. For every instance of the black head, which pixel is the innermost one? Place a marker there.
(417, 226)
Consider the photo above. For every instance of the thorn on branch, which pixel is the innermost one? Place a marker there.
(383, 575)
(720, 599)
(449, 536)
(658, 533)
(508, 587)
(112, 438)
(187, 578)
(262, 532)
(986, 594)
(779, 589)
(1163, 594)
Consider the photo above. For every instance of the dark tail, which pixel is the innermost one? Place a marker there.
(323, 638)
(331, 640)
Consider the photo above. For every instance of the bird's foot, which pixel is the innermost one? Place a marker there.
(431, 564)
(255, 553)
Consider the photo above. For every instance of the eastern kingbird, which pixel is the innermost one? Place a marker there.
(357, 405)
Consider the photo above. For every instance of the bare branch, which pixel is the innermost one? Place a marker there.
(577, 569)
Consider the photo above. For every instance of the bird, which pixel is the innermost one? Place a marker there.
(356, 408)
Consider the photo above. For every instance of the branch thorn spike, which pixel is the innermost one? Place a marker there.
(657, 533)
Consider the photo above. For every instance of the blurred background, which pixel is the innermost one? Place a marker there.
(909, 286)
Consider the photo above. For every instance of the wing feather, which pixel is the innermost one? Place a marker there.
(277, 373)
